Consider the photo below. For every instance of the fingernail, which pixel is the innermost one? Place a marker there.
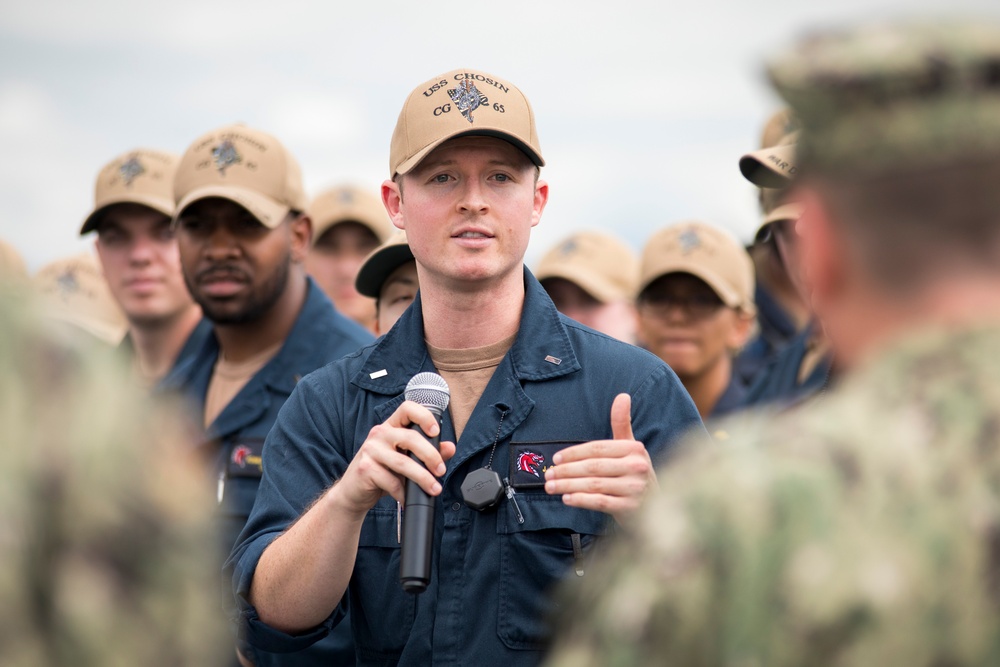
(436, 489)
(557, 459)
(441, 469)
(550, 487)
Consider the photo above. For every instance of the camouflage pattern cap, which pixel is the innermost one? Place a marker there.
(885, 96)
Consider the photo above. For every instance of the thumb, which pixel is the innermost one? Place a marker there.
(621, 418)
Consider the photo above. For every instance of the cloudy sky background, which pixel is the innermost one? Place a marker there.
(643, 108)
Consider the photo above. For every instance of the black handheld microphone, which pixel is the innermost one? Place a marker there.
(431, 391)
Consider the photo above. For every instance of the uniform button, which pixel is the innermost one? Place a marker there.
(456, 506)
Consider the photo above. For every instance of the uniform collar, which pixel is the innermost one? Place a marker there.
(312, 324)
(541, 351)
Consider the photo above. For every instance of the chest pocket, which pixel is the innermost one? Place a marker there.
(381, 612)
(534, 557)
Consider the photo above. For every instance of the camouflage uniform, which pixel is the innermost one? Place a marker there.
(862, 528)
(858, 530)
(106, 556)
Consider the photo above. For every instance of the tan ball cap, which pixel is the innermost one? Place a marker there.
(707, 252)
(245, 166)
(141, 176)
(349, 204)
(779, 125)
(772, 167)
(73, 290)
(382, 261)
(600, 264)
(460, 103)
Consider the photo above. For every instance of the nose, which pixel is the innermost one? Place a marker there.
(221, 244)
(141, 251)
(473, 199)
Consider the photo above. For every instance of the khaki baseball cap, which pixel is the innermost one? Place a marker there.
(382, 261)
(141, 176)
(73, 290)
(459, 103)
(788, 211)
(774, 166)
(600, 264)
(779, 124)
(707, 252)
(349, 204)
(246, 166)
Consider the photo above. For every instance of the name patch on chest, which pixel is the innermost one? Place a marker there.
(530, 460)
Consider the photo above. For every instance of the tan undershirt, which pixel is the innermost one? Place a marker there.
(229, 377)
(467, 373)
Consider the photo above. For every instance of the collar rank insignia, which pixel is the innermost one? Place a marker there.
(467, 98)
(225, 156)
(689, 241)
(130, 169)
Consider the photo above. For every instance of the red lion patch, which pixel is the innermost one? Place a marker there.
(240, 455)
(529, 462)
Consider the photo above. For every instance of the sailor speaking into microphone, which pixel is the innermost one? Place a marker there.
(549, 437)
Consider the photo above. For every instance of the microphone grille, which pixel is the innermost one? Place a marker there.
(429, 390)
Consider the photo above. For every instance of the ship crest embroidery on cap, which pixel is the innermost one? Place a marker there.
(67, 283)
(130, 170)
(467, 98)
(568, 248)
(689, 240)
(225, 156)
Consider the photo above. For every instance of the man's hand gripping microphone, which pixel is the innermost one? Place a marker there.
(431, 391)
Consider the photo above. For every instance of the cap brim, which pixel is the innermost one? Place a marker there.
(759, 167)
(267, 211)
(728, 295)
(586, 280)
(377, 267)
(790, 211)
(407, 166)
(164, 206)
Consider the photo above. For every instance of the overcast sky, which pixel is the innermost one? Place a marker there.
(643, 108)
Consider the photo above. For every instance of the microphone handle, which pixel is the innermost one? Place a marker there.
(418, 531)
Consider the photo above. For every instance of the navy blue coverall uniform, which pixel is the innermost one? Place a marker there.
(492, 571)
(779, 382)
(234, 441)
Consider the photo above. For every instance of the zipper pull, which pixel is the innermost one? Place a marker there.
(509, 490)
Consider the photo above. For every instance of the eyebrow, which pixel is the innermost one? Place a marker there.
(434, 164)
(108, 225)
(399, 279)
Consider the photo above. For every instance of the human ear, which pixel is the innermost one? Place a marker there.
(392, 199)
(541, 199)
(301, 232)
